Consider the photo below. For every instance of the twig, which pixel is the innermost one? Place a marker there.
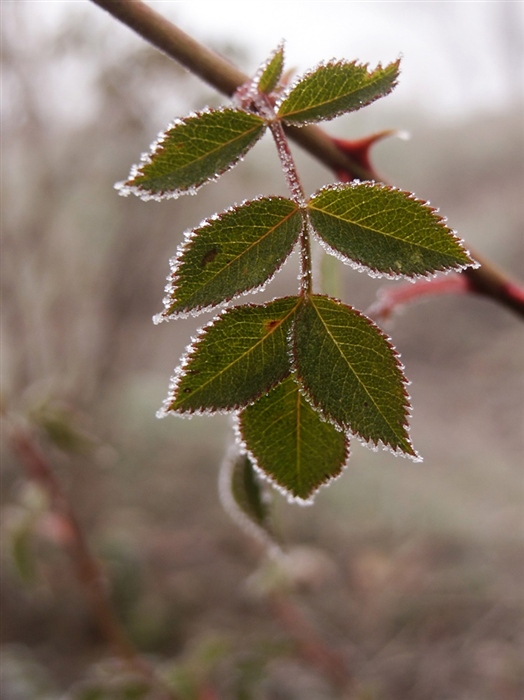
(87, 566)
(492, 282)
(225, 77)
(390, 299)
(310, 646)
(218, 72)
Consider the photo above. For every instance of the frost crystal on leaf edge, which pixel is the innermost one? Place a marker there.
(125, 188)
(172, 279)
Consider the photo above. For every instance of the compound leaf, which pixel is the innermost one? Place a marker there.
(386, 230)
(240, 355)
(193, 151)
(236, 251)
(271, 71)
(335, 88)
(349, 370)
(243, 496)
(290, 443)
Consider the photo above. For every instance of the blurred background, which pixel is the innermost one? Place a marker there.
(413, 573)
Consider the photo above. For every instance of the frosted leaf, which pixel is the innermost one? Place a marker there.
(334, 88)
(349, 371)
(234, 252)
(193, 151)
(290, 443)
(270, 72)
(238, 356)
(244, 498)
(385, 230)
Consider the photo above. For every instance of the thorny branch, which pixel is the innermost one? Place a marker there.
(487, 280)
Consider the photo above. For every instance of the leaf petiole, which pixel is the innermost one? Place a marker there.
(297, 194)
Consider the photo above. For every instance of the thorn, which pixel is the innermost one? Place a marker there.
(359, 151)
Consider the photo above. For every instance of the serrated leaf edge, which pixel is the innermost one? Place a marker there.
(262, 69)
(289, 495)
(189, 235)
(371, 444)
(372, 271)
(191, 348)
(124, 187)
(327, 64)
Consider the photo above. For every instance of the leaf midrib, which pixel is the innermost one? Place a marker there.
(241, 357)
(381, 233)
(244, 252)
(351, 368)
(222, 146)
(317, 105)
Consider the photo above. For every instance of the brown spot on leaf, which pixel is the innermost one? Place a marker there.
(209, 257)
(271, 325)
(188, 390)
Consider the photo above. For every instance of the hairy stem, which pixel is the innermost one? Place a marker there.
(298, 196)
(288, 164)
(221, 74)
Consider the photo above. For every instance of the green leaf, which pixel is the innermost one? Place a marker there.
(193, 151)
(23, 552)
(385, 230)
(58, 422)
(239, 356)
(271, 71)
(243, 498)
(237, 251)
(349, 370)
(335, 88)
(290, 443)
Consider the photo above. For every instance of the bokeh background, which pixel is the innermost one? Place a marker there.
(413, 573)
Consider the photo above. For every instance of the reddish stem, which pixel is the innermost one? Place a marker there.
(87, 567)
(391, 298)
(298, 196)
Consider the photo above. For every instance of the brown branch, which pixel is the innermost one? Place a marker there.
(218, 72)
(87, 567)
(225, 77)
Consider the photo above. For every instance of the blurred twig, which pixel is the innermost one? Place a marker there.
(310, 646)
(87, 567)
(487, 280)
